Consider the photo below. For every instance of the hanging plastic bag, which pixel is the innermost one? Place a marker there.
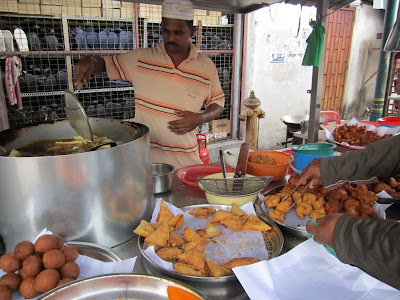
(315, 46)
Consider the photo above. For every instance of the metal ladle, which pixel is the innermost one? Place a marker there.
(77, 117)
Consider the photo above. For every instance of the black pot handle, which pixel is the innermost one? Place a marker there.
(112, 144)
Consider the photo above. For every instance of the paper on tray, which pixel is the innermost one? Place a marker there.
(381, 130)
(89, 266)
(308, 271)
(223, 248)
(293, 221)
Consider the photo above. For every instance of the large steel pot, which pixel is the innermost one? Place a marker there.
(97, 196)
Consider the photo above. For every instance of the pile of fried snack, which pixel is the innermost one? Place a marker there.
(262, 159)
(318, 202)
(187, 252)
(356, 135)
(38, 268)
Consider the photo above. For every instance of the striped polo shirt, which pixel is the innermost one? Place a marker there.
(161, 89)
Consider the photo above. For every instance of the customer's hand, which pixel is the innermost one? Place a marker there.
(312, 171)
(324, 233)
(189, 121)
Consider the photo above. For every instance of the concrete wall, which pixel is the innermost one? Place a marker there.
(365, 51)
(275, 49)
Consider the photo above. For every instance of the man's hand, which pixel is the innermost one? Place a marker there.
(324, 233)
(86, 67)
(188, 122)
(312, 171)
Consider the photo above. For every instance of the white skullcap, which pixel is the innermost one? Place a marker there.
(178, 9)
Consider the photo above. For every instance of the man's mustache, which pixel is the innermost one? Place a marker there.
(172, 44)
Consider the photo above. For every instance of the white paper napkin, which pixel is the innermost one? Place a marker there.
(309, 272)
(90, 267)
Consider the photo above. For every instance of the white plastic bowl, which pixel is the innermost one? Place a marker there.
(231, 156)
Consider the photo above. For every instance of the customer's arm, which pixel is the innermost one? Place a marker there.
(380, 159)
(370, 244)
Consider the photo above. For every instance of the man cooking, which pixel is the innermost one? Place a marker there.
(172, 82)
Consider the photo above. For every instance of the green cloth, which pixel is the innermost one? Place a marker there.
(315, 46)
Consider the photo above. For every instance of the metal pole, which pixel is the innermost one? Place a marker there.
(379, 96)
(317, 81)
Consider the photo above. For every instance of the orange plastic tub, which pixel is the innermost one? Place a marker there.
(278, 171)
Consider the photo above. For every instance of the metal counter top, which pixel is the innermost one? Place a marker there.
(183, 195)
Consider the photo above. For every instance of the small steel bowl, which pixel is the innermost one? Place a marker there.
(162, 177)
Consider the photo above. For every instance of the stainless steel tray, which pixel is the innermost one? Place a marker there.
(295, 230)
(95, 251)
(273, 241)
(117, 286)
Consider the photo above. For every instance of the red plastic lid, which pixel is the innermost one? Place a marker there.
(394, 121)
(376, 124)
(189, 174)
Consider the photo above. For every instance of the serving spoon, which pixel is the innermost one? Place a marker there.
(76, 116)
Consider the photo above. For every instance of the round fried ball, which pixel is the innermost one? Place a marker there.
(70, 253)
(5, 293)
(11, 280)
(24, 249)
(9, 263)
(22, 274)
(64, 281)
(26, 289)
(45, 243)
(70, 270)
(53, 259)
(31, 266)
(59, 240)
(46, 280)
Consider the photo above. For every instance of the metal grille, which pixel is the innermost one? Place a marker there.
(234, 186)
(60, 32)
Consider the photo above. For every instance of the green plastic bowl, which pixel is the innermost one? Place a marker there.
(317, 149)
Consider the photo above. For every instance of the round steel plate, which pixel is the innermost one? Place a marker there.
(273, 241)
(95, 251)
(117, 286)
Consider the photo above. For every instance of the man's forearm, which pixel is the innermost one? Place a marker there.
(211, 113)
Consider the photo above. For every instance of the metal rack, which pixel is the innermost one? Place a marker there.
(41, 89)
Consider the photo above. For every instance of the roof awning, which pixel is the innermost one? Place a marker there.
(246, 6)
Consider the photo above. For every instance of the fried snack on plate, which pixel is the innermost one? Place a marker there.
(272, 200)
(169, 254)
(212, 231)
(284, 206)
(159, 237)
(175, 240)
(176, 222)
(240, 261)
(233, 222)
(196, 245)
(194, 260)
(148, 245)
(190, 235)
(202, 212)
(319, 204)
(165, 214)
(303, 209)
(188, 270)
(144, 229)
(217, 270)
(201, 232)
(237, 211)
(309, 198)
(255, 224)
(318, 213)
(220, 215)
(276, 215)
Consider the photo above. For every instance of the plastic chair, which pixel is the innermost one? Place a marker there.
(330, 115)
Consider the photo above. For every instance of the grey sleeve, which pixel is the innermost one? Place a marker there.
(380, 159)
(371, 245)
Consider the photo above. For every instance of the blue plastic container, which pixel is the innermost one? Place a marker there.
(301, 160)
